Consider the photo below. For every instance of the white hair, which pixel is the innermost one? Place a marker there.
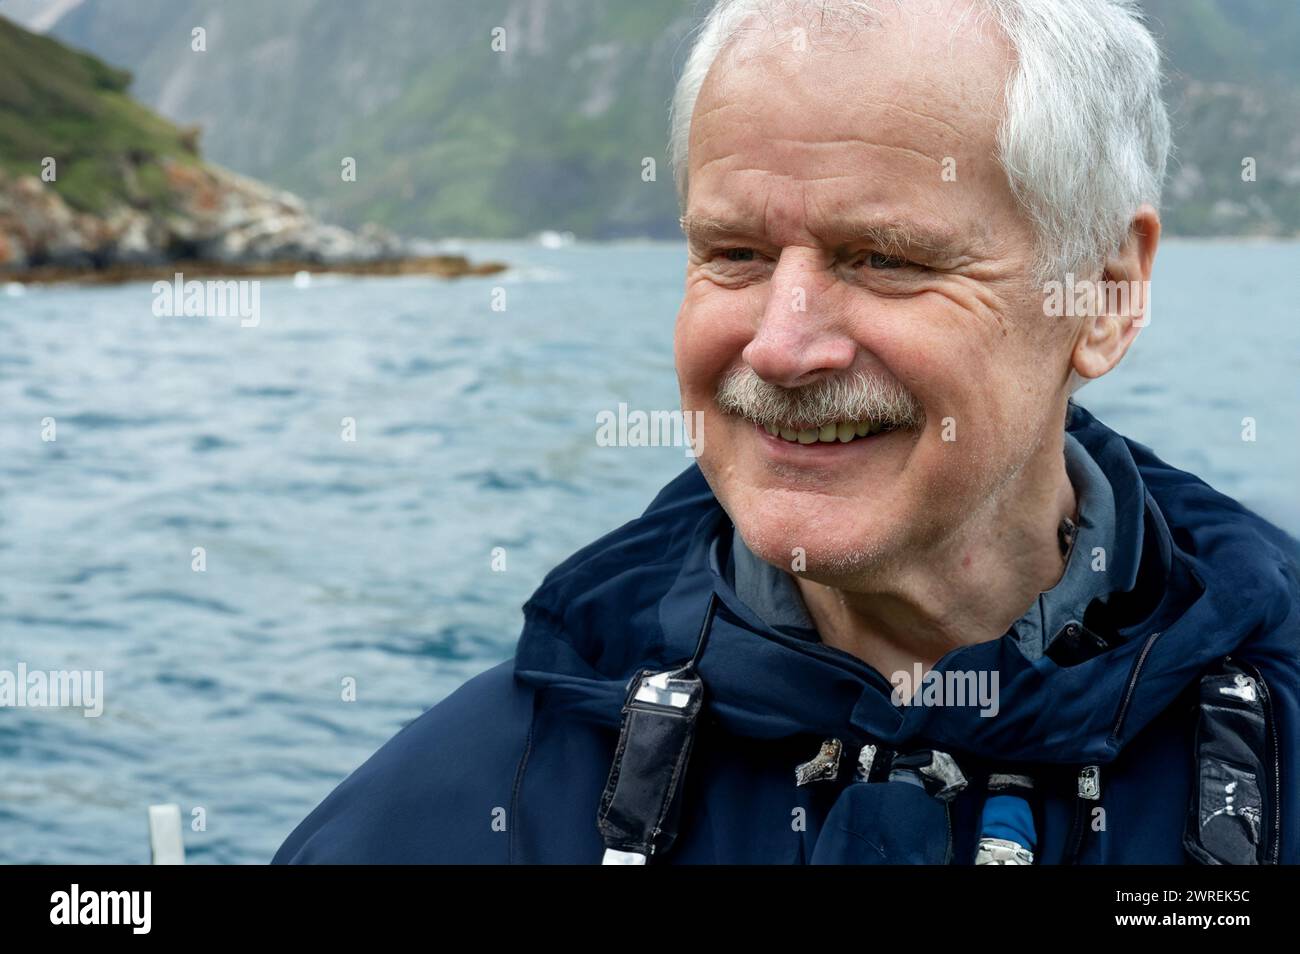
(1085, 136)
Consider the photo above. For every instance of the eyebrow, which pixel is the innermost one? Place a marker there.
(890, 236)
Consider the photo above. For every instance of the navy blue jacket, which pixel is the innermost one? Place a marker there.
(510, 768)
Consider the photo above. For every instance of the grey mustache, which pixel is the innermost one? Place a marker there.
(854, 397)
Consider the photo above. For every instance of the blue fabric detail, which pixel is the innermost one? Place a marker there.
(1009, 817)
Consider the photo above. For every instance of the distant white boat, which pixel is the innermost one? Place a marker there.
(550, 239)
(15, 289)
(302, 279)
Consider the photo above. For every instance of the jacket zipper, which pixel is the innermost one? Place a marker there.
(1132, 685)
(1274, 849)
(1081, 803)
(947, 813)
(1075, 839)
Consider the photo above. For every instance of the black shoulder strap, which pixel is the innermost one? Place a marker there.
(1235, 813)
(642, 801)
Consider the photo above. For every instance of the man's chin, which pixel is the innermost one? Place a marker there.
(813, 533)
(828, 551)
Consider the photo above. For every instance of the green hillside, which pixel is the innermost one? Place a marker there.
(68, 105)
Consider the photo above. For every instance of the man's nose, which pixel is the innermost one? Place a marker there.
(798, 339)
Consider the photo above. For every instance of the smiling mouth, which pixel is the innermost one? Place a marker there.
(840, 432)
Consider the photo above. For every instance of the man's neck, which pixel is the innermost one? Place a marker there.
(969, 589)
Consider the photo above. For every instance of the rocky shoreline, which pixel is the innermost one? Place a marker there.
(208, 223)
(439, 266)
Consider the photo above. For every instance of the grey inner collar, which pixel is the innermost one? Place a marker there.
(774, 597)
(771, 593)
(1087, 573)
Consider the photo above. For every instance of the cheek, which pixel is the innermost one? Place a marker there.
(970, 377)
(988, 365)
(944, 355)
(709, 337)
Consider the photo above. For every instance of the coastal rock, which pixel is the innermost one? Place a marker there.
(40, 225)
(210, 216)
(13, 253)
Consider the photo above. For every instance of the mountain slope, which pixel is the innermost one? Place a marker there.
(1234, 93)
(449, 135)
(452, 137)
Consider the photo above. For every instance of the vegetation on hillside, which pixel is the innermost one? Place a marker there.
(56, 102)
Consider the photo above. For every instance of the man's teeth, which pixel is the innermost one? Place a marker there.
(841, 432)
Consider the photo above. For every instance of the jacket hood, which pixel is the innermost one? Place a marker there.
(1207, 578)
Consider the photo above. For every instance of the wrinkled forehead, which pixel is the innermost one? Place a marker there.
(928, 77)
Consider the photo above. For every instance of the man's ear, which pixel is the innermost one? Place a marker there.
(1121, 305)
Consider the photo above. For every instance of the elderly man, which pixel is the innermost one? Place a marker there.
(914, 605)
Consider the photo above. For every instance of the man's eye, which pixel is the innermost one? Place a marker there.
(738, 254)
(882, 261)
